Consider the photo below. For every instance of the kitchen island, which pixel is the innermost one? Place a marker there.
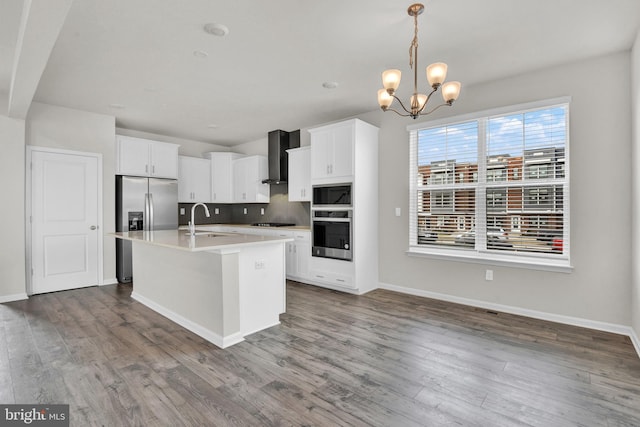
(221, 286)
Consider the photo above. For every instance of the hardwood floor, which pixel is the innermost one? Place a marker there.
(336, 359)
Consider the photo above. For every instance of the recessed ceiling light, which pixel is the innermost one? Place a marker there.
(212, 126)
(216, 29)
(200, 54)
(330, 85)
(116, 106)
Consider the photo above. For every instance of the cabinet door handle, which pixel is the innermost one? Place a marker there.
(146, 168)
(153, 169)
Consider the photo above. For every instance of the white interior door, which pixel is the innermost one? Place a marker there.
(64, 221)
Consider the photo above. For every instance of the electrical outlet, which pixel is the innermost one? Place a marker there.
(216, 211)
(181, 211)
(244, 210)
(488, 275)
(259, 264)
(261, 211)
(398, 212)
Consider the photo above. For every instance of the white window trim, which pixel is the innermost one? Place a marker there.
(519, 260)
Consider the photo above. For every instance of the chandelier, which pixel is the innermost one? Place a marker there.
(436, 74)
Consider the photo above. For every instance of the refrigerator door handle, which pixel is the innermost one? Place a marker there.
(146, 212)
(151, 219)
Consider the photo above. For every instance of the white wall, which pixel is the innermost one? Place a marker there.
(635, 197)
(12, 248)
(600, 286)
(64, 128)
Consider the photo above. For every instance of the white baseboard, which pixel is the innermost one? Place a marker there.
(212, 337)
(635, 340)
(541, 315)
(14, 297)
(111, 281)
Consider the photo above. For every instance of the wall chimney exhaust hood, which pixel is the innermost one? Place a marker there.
(279, 142)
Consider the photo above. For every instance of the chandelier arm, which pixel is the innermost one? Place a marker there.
(435, 108)
(427, 101)
(401, 104)
(398, 113)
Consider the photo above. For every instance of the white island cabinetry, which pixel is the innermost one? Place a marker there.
(220, 286)
(297, 250)
(144, 157)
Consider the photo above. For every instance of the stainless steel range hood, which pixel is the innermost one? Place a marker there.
(279, 142)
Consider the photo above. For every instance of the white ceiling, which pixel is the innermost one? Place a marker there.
(267, 73)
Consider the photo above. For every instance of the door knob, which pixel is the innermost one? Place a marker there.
(93, 227)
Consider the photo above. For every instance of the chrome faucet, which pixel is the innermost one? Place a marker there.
(192, 223)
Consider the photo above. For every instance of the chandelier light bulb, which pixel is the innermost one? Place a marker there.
(436, 74)
(391, 80)
(450, 91)
(417, 102)
(384, 99)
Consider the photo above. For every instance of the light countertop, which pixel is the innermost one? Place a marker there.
(203, 241)
(255, 227)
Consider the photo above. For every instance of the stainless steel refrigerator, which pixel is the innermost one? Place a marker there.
(142, 204)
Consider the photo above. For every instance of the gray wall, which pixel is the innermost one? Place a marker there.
(635, 197)
(600, 127)
(12, 248)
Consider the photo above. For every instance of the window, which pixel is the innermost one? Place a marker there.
(509, 201)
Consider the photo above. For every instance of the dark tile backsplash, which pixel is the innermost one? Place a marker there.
(278, 210)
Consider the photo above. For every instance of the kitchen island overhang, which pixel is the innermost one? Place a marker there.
(221, 286)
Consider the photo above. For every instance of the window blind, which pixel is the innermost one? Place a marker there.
(494, 184)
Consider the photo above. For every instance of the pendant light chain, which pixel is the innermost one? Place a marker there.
(414, 42)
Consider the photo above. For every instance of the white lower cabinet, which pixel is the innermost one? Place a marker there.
(298, 254)
(332, 273)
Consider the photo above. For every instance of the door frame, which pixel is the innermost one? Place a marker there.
(29, 213)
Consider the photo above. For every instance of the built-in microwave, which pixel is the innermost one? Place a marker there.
(331, 233)
(334, 195)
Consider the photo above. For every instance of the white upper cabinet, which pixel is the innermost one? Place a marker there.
(143, 157)
(300, 174)
(222, 176)
(194, 180)
(248, 173)
(332, 151)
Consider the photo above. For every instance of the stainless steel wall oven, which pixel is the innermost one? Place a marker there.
(331, 233)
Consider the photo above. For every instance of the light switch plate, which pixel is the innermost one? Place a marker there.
(181, 211)
(216, 211)
(398, 211)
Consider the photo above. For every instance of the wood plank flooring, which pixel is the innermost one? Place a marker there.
(383, 359)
